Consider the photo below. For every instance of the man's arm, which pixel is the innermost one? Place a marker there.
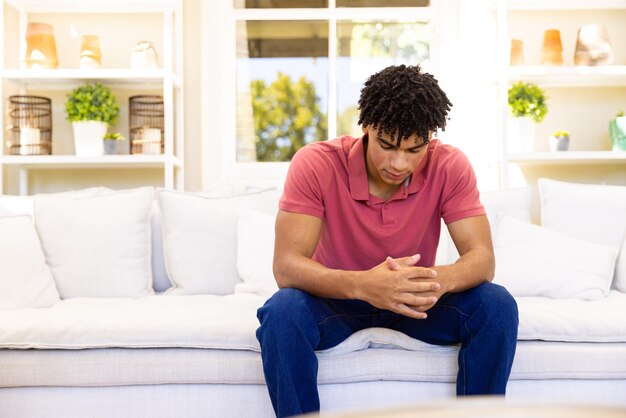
(297, 236)
(472, 237)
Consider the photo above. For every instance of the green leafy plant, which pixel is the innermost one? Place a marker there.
(114, 136)
(559, 134)
(527, 100)
(619, 114)
(92, 102)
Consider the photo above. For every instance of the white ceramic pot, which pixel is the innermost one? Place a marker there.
(520, 135)
(558, 143)
(89, 138)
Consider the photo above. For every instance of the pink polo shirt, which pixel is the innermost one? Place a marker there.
(329, 180)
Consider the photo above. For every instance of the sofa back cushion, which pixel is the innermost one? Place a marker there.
(596, 213)
(514, 203)
(200, 237)
(99, 244)
(255, 252)
(25, 278)
(535, 261)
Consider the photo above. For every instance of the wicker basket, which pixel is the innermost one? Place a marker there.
(29, 125)
(146, 122)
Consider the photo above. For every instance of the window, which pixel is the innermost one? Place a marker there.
(297, 67)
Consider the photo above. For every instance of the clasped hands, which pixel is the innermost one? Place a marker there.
(399, 286)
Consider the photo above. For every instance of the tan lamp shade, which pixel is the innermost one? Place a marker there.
(593, 46)
(517, 52)
(552, 48)
(41, 50)
(90, 52)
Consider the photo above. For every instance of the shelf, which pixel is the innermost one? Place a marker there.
(72, 161)
(565, 4)
(93, 6)
(569, 157)
(139, 79)
(570, 76)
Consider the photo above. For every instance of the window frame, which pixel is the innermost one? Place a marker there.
(222, 78)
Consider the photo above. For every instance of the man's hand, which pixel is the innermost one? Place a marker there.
(397, 285)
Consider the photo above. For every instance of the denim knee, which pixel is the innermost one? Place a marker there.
(285, 310)
(498, 305)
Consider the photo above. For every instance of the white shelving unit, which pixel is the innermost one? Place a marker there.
(166, 80)
(568, 76)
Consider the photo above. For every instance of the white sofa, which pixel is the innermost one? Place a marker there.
(85, 333)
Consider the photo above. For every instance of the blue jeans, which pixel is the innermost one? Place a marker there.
(294, 324)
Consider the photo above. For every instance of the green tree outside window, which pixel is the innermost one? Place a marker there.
(287, 116)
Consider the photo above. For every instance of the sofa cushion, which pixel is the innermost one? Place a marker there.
(596, 213)
(255, 252)
(229, 322)
(514, 203)
(25, 278)
(122, 366)
(200, 238)
(97, 245)
(536, 261)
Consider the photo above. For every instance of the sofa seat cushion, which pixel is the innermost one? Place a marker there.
(573, 320)
(229, 322)
(123, 366)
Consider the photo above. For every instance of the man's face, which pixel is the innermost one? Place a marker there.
(388, 164)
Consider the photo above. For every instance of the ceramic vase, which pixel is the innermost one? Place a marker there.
(41, 50)
(552, 49)
(617, 131)
(517, 52)
(593, 46)
(90, 52)
(143, 56)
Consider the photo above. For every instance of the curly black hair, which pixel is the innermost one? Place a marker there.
(402, 100)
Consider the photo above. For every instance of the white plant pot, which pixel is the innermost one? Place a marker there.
(520, 135)
(89, 138)
(558, 143)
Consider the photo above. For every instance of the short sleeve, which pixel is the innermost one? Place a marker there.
(460, 198)
(303, 192)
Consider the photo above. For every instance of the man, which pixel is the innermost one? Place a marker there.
(356, 237)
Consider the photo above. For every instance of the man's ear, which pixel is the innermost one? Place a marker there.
(364, 128)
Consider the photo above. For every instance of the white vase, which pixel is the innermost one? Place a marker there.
(520, 135)
(89, 138)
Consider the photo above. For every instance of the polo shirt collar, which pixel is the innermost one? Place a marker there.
(359, 188)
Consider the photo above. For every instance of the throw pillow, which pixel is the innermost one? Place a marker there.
(535, 261)
(596, 213)
(511, 202)
(255, 252)
(200, 237)
(25, 279)
(16, 205)
(97, 245)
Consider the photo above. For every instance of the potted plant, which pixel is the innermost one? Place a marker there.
(91, 108)
(559, 141)
(527, 106)
(617, 130)
(113, 143)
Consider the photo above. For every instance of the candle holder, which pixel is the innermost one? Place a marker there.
(29, 125)
(146, 123)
